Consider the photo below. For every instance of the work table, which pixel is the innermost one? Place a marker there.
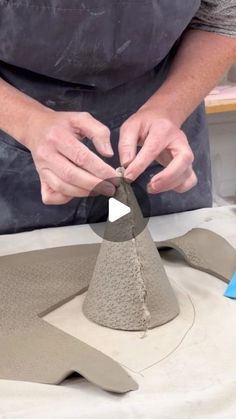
(196, 380)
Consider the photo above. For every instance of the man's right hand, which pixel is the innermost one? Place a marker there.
(66, 167)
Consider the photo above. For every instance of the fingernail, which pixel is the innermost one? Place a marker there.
(116, 181)
(108, 149)
(152, 187)
(128, 176)
(109, 190)
(126, 159)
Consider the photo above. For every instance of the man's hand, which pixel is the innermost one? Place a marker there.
(161, 140)
(66, 167)
(201, 60)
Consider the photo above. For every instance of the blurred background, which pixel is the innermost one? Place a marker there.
(221, 114)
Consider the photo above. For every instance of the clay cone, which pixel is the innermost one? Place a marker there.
(129, 289)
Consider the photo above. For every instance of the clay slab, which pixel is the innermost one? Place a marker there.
(32, 284)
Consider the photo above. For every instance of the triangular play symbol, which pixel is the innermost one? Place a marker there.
(117, 210)
(129, 289)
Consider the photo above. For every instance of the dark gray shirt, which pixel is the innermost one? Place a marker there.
(216, 16)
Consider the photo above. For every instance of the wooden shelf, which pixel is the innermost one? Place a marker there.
(225, 101)
(220, 106)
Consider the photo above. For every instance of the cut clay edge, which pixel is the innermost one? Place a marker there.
(120, 382)
(170, 243)
(125, 384)
(126, 388)
(143, 287)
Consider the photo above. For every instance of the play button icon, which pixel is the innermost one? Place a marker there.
(121, 212)
(117, 210)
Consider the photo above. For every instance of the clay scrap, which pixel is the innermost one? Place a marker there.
(205, 250)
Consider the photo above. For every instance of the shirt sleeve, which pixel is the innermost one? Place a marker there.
(217, 16)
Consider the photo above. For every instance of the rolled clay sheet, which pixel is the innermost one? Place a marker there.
(33, 284)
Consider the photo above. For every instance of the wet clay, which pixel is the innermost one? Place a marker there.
(129, 289)
(32, 284)
(205, 250)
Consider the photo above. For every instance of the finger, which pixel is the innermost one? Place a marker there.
(145, 157)
(188, 178)
(129, 137)
(50, 197)
(165, 157)
(181, 165)
(58, 185)
(187, 184)
(75, 177)
(82, 157)
(97, 132)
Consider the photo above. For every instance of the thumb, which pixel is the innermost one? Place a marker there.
(50, 197)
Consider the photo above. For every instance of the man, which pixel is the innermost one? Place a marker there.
(88, 86)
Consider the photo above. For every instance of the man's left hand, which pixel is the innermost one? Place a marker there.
(161, 140)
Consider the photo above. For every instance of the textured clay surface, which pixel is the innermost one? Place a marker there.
(129, 289)
(33, 284)
(205, 250)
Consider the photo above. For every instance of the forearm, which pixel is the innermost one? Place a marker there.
(16, 111)
(199, 64)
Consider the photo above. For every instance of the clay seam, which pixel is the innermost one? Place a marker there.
(142, 286)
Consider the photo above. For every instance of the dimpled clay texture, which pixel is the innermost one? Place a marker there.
(129, 289)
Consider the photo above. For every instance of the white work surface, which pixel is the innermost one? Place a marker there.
(196, 380)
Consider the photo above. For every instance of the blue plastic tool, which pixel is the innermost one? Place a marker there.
(230, 291)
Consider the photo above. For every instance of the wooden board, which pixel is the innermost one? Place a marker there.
(221, 99)
(220, 106)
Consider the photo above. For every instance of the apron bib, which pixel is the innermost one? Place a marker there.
(100, 43)
(106, 57)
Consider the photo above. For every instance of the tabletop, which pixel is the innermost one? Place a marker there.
(195, 380)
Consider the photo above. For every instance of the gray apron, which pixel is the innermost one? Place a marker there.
(106, 57)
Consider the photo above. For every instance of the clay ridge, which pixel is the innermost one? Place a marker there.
(140, 280)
